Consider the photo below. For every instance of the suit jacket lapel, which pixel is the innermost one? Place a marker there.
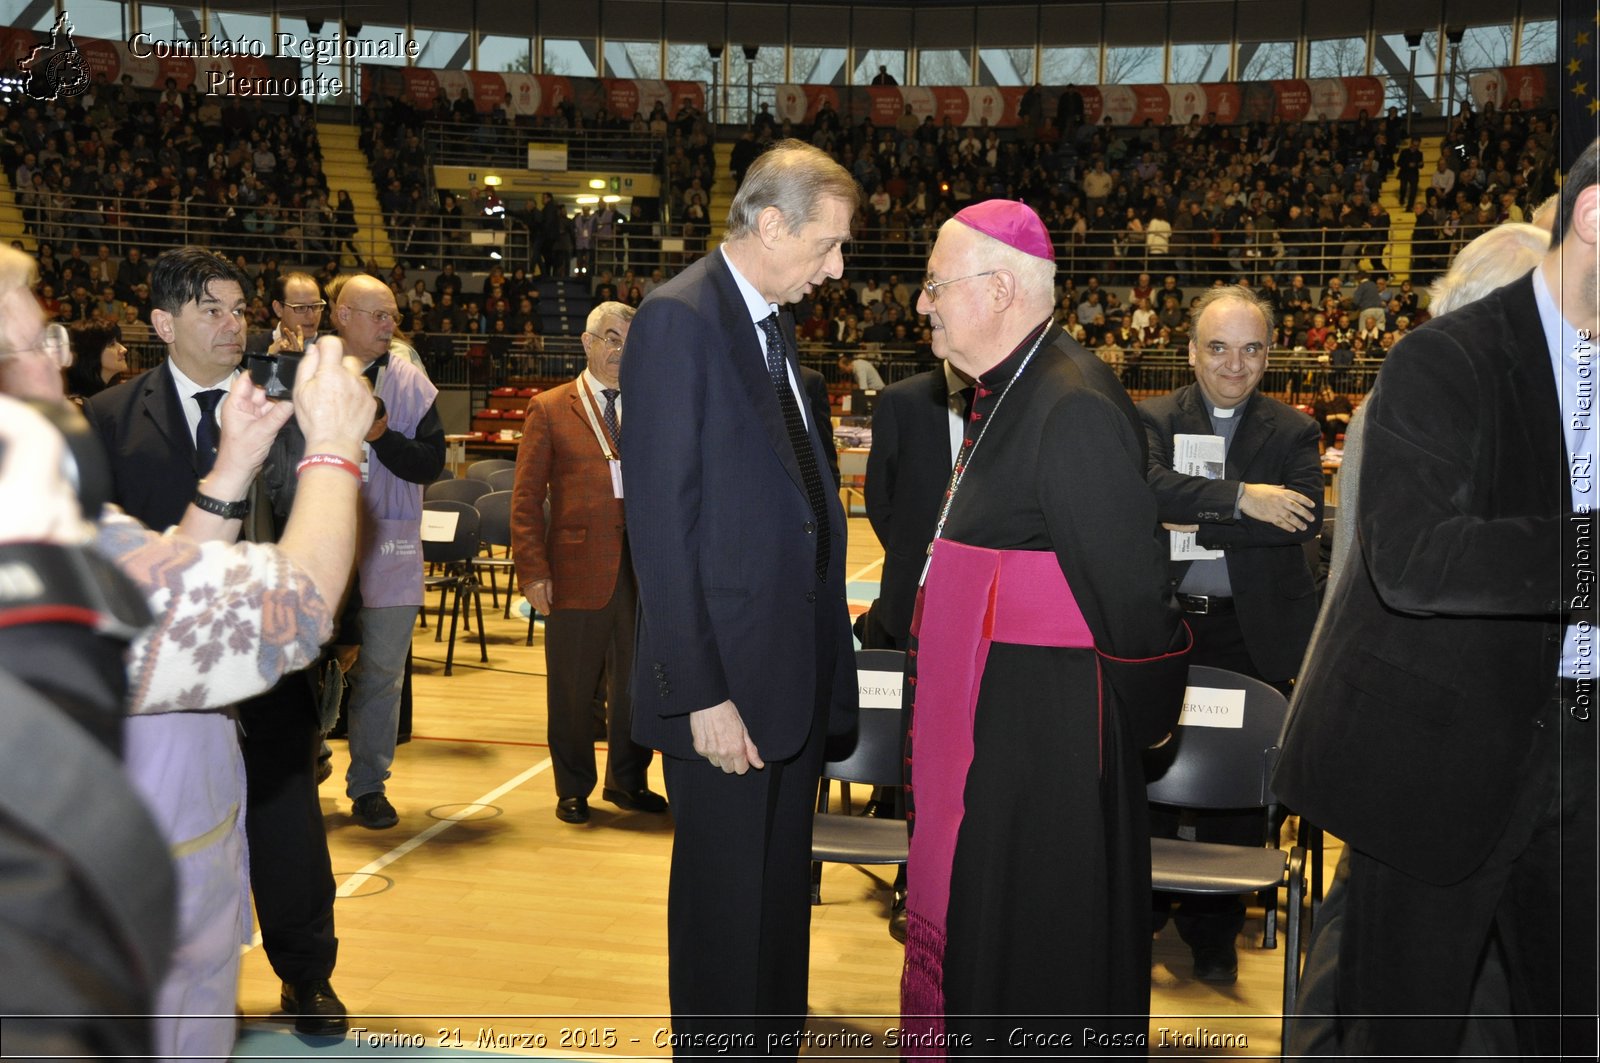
(1529, 357)
(1248, 439)
(749, 368)
(165, 410)
(575, 402)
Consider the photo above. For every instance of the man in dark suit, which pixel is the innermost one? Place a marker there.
(1445, 727)
(1251, 609)
(573, 566)
(744, 652)
(916, 431)
(160, 445)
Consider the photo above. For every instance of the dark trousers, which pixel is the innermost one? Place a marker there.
(1412, 950)
(291, 875)
(582, 646)
(739, 907)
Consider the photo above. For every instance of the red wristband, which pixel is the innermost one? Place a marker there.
(329, 459)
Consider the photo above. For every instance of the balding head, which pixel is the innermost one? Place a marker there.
(365, 317)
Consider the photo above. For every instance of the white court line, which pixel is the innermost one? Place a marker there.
(440, 827)
(857, 577)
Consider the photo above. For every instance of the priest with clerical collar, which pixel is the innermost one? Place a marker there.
(1046, 654)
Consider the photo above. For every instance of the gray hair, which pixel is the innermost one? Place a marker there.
(1493, 260)
(610, 308)
(794, 177)
(1235, 293)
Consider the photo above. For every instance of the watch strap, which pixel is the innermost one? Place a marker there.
(226, 510)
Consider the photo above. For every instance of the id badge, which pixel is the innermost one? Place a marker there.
(616, 476)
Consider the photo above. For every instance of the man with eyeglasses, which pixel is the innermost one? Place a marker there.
(1045, 656)
(1236, 559)
(404, 451)
(574, 567)
(297, 303)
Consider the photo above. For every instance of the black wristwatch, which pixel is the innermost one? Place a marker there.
(226, 510)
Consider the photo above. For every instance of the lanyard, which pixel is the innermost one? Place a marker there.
(590, 407)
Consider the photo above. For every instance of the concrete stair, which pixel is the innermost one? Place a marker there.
(346, 168)
(722, 190)
(11, 226)
(1402, 222)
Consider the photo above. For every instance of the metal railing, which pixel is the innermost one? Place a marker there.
(485, 144)
(261, 231)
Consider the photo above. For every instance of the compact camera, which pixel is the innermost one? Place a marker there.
(274, 373)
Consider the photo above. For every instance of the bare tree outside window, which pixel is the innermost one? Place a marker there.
(1133, 66)
(1266, 60)
(1070, 66)
(1539, 44)
(1340, 57)
(1199, 63)
(1005, 66)
(943, 66)
(818, 66)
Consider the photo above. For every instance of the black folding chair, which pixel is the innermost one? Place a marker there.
(1230, 767)
(875, 756)
(454, 559)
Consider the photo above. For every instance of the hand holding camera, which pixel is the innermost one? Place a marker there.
(333, 401)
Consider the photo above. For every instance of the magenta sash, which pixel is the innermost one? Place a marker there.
(971, 597)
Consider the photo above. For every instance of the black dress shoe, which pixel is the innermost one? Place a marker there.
(897, 917)
(572, 810)
(317, 1010)
(1217, 964)
(641, 800)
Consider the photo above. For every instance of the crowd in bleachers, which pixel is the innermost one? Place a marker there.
(132, 168)
(1142, 218)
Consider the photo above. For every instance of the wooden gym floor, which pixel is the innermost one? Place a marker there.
(482, 921)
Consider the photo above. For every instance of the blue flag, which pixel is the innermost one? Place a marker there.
(1579, 78)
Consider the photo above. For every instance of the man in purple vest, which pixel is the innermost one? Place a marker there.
(405, 450)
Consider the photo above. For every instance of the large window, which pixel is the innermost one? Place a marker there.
(568, 57)
(868, 62)
(1197, 63)
(818, 66)
(691, 62)
(105, 19)
(1070, 66)
(750, 83)
(500, 53)
(1134, 65)
(168, 22)
(1539, 44)
(633, 59)
(12, 12)
(1266, 60)
(943, 66)
(1393, 56)
(1338, 57)
(1481, 47)
(1005, 66)
(440, 49)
